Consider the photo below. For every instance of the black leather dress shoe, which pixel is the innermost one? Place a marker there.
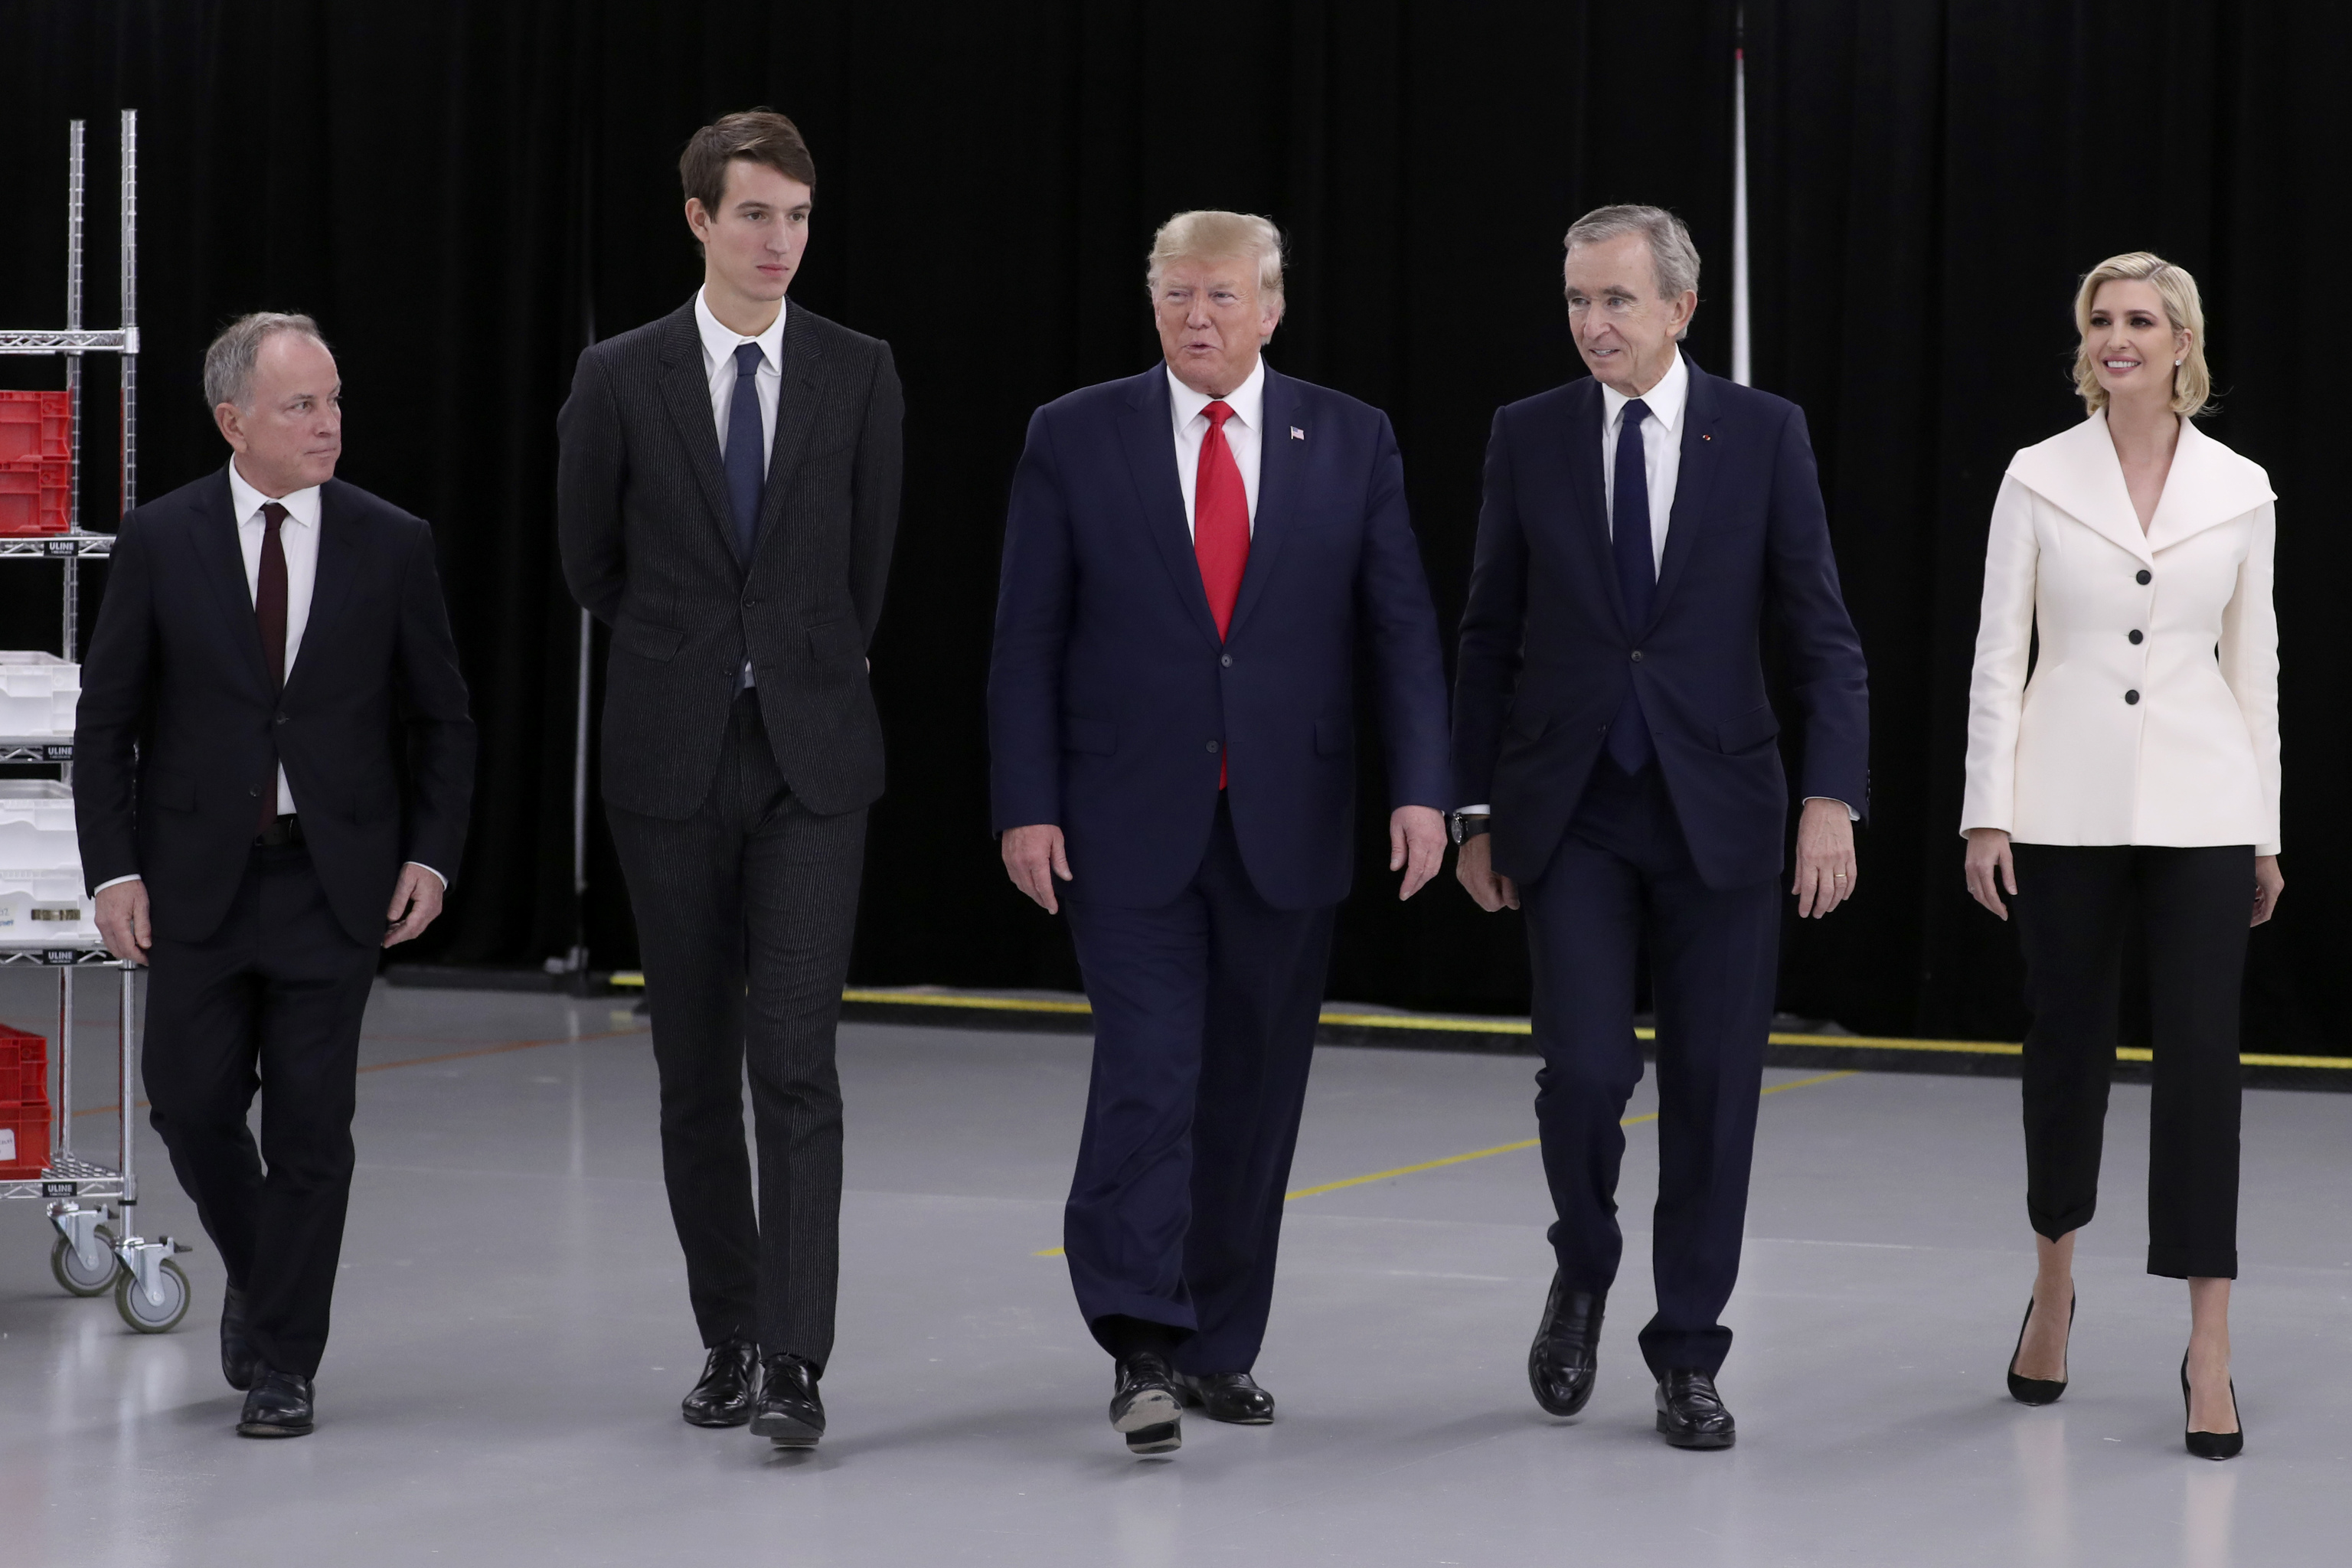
(278, 1406)
(1691, 1414)
(1144, 1406)
(789, 1415)
(1232, 1397)
(731, 1379)
(239, 1359)
(1561, 1363)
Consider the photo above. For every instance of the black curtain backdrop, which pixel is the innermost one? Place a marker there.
(1930, 182)
(466, 194)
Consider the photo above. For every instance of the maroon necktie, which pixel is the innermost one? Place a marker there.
(1221, 526)
(270, 610)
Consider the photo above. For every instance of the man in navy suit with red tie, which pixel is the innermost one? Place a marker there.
(1190, 557)
(1611, 725)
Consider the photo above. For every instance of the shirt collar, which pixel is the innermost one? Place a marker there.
(720, 340)
(301, 507)
(1665, 401)
(1247, 402)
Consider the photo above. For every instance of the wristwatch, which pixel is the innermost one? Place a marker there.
(1470, 826)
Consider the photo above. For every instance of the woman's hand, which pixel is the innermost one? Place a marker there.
(2268, 886)
(1991, 871)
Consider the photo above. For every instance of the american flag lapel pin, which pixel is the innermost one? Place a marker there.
(1297, 433)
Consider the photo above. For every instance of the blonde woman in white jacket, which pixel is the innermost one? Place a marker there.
(2132, 781)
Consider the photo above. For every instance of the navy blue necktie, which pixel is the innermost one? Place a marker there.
(1630, 746)
(747, 465)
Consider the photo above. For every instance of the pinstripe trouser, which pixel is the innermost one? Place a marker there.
(745, 911)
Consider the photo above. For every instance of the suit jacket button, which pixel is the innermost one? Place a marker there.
(1637, 655)
(2136, 639)
(1225, 660)
(2131, 697)
(282, 717)
(1212, 745)
(2145, 577)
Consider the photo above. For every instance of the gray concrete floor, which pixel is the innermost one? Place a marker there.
(512, 1338)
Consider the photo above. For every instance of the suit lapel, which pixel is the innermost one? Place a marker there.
(331, 584)
(2078, 472)
(2209, 485)
(1281, 462)
(1147, 432)
(797, 399)
(1588, 499)
(221, 559)
(686, 394)
(1693, 481)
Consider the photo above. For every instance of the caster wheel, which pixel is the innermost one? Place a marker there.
(151, 1317)
(78, 1280)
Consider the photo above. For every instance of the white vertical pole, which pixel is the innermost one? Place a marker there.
(1742, 359)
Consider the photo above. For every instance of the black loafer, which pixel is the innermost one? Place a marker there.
(789, 1414)
(1691, 1414)
(1562, 1361)
(1232, 1397)
(731, 1379)
(280, 1406)
(239, 1360)
(1145, 1407)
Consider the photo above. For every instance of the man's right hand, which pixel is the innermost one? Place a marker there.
(1034, 857)
(1475, 868)
(123, 920)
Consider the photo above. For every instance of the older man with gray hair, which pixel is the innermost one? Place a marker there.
(1611, 720)
(251, 831)
(1191, 558)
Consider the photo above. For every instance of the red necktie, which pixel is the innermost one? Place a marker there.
(270, 610)
(1221, 527)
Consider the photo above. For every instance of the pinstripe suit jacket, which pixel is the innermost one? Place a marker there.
(648, 541)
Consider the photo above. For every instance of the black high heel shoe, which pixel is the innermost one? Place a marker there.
(2038, 1390)
(2212, 1445)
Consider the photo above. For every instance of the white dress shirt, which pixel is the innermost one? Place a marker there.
(297, 536)
(1662, 469)
(720, 342)
(1662, 449)
(1245, 435)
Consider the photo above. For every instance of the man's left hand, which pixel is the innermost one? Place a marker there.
(416, 902)
(1826, 871)
(1417, 846)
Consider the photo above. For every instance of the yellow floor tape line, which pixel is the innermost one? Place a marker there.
(1409, 1022)
(1484, 1153)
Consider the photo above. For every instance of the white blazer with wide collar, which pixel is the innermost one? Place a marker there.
(2167, 738)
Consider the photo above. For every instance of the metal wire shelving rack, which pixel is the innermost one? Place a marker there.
(90, 1204)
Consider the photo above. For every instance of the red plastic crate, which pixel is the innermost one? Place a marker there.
(35, 425)
(33, 495)
(24, 1141)
(23, 1068)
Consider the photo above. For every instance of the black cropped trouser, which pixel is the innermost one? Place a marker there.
(2075, 906)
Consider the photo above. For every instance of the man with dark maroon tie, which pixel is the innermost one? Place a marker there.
(1190, 558)
(274, 767)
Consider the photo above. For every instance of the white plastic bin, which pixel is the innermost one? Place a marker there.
(44, 911)
(38, 694)
(37, 830)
